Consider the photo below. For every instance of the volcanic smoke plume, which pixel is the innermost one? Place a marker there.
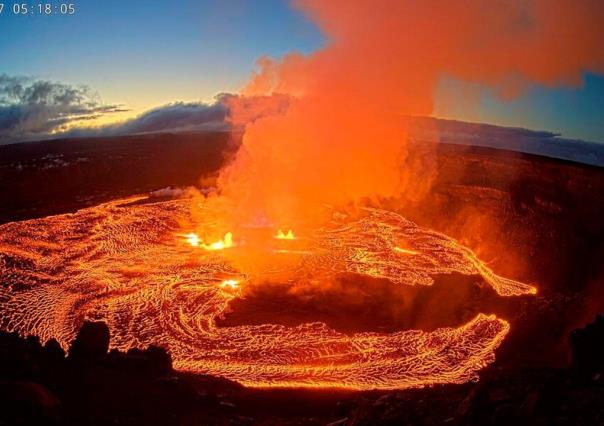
(343, 136)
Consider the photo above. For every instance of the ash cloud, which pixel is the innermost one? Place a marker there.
(35, 109)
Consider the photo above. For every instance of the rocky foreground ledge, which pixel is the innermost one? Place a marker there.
(90, 385)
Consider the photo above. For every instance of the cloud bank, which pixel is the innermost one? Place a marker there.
(178, 116)
(34, 109)
(515, 139)
(195, 116)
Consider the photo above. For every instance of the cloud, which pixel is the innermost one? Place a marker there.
(227, 112)
(179, 116)
(515, 139)
(34, 109)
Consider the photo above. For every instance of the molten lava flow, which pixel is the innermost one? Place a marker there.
(404, 250)
(193, 239)
(123, 263)
(226, 242)
(232, 284)
(283, 236)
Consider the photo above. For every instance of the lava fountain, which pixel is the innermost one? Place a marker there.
(128, 263)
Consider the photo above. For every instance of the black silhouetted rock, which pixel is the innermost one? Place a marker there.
(587, 346)
(38, 385)
(92, 342)
(27, 402)
(16, 359)
(151, 362)
(53, 352)
(161, 361)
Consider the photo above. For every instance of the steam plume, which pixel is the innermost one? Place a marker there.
(343, 137)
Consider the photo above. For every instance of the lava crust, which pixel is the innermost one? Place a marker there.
(125, 262)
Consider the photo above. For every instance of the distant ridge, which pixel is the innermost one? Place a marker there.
(516, 139)
(429, 129)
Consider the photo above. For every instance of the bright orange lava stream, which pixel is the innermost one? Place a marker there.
(126, 262)
(404, 251)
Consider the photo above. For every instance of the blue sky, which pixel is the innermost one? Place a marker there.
(144, 53)
(576, 112)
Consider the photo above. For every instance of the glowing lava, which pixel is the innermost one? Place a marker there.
(404, 250)
(232, 284)
(193, 239)
(226, 242)
(120, 262)
(283, 236)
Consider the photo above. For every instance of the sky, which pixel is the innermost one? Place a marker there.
(147, 53)
(141, 54)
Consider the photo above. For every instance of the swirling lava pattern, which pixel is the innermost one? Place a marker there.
(123, 262)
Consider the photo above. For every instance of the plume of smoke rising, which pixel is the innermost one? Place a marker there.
(247, 109)
(343, 136)
(35, 108)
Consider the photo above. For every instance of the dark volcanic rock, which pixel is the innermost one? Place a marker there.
(92, 342)
(153, 362)
(53, 351)
(93, 170)
(587, 345)
(38, 385)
